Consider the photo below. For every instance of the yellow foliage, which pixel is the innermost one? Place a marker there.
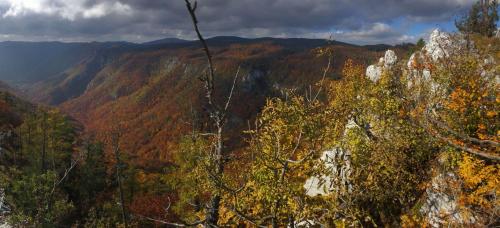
(480, 182)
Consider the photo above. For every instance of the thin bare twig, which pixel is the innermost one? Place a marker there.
(232, 89)
(66, 172)
(323, 78)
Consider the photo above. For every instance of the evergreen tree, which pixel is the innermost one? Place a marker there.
(481, 19)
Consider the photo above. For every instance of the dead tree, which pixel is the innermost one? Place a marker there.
(218, 117)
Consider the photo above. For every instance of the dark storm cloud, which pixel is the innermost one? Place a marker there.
(140, 20)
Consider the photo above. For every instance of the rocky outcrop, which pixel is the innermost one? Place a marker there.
(390, 59)
(440, 206)
(254, 80)
(374, 72)
(439, 45)
(337, 162)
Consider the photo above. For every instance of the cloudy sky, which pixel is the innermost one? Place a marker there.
(354, 21)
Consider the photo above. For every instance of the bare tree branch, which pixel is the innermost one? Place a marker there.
(210, 77)
(468, 149)
(450, 142)
(323, 78)
(248, 219)
(463, 136)
(66, 172)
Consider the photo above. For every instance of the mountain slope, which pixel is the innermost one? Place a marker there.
(152, 91)
(151, 94)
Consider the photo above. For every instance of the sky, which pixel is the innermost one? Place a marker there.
(352, 21)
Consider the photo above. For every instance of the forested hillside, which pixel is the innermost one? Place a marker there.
(40, 151)
(153, 95)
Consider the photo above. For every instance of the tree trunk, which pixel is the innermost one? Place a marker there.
(118, 179)
(212, 217)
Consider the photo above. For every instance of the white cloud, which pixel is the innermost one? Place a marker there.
(20, 8)
(66, 9)
(105, 8)
(375, 33)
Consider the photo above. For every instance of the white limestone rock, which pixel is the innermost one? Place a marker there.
(390, 59)
(374, 72)
(441, 206)
(439, 45)
(338, 163)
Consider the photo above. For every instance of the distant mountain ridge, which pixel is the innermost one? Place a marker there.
(166, 41)
(24, 64)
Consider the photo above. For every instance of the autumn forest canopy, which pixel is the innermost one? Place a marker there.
(264, 131)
